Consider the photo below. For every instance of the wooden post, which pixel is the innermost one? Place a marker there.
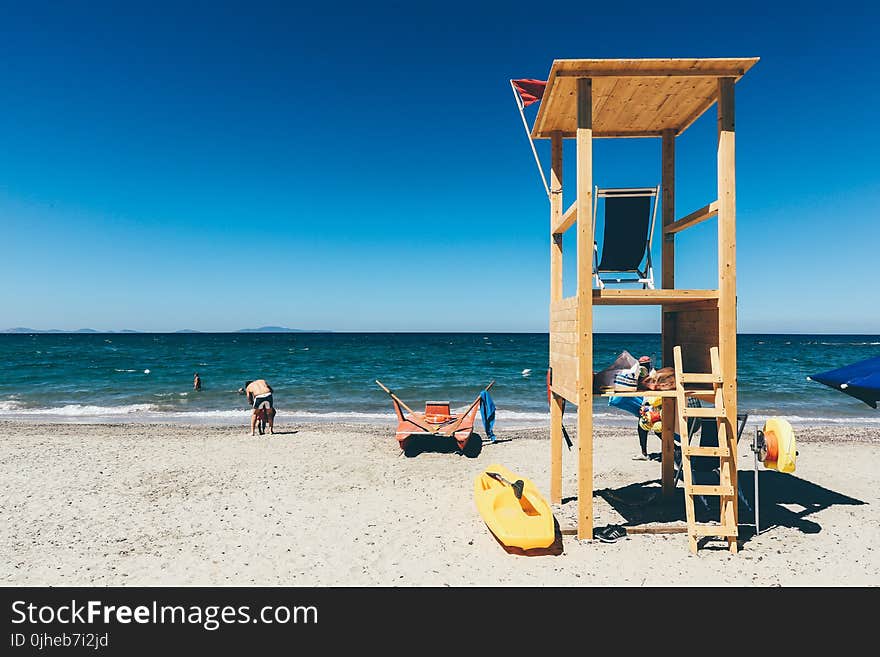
(668, 325)
(727, 279)
(585, 306)
(555, 295)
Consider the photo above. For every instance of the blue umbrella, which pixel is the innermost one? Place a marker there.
(860, 380)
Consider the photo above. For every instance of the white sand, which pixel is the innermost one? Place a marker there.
(336, 505)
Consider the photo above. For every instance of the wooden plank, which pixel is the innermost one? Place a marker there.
(636, 297)
(564, 361)
(688, 377)
(568, 392)
(563, 326)
(727, 280)
(569, 349)
(703, 304)
(691, 117)
(562, 314)
(703, 412)
(555, 308)
(565, 221)
(634, 97)
(585, 307)
(715, 530)
(555, 215)
(667, 412)
(650, 73)
(699, 450)
(556, 450)
(564, 304)
(667, 205)
(656, 529)
(694, 218)
(563, 337)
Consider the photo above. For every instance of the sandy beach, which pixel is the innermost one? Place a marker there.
(338, 505)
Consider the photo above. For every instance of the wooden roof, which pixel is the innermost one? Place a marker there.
(634, 97)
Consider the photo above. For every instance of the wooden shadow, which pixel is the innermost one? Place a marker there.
(778, 491)
(419, 443)
(642, 503)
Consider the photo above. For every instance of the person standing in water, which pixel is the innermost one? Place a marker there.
(197, 381)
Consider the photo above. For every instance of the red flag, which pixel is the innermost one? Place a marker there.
(530, 91)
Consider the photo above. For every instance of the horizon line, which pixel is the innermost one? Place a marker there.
(289, 331)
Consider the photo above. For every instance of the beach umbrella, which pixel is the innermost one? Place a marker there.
(860, 380)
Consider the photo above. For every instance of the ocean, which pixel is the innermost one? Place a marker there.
(145, 377)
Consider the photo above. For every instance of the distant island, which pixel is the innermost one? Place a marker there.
(262, 329)
(276, 329)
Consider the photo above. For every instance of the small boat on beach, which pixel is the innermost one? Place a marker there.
(437, 420)
(513, 509)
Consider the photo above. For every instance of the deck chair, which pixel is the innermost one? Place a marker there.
(630, 215)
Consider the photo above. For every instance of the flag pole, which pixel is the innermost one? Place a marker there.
(521, 107)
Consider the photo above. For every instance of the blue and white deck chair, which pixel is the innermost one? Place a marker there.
(630, 215)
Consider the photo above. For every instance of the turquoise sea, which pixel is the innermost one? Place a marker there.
(331, 376)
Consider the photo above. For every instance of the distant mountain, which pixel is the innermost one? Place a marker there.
(276, 329)
(21, 329)
(262, 329)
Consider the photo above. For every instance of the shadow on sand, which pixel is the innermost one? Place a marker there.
(642, 503)
(418, 443)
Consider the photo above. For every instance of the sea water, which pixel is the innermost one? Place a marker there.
(331, 376)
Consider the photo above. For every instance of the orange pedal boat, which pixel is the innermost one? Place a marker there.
(437, 420)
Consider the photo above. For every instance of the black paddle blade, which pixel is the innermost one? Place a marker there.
(517, 485)
(518, 488)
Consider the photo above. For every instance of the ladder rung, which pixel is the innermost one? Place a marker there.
(701, 378)
(714, 530)
(703, 412)
(700, 489)
(697, 450)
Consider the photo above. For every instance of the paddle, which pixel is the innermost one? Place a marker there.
(517, 485)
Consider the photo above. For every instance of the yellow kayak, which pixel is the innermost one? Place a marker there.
(523, 521)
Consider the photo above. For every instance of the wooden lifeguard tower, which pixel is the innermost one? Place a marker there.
(586, 99)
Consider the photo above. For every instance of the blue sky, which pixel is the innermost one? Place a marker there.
(363, 168)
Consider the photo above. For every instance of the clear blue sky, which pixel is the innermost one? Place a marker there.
(368, 163)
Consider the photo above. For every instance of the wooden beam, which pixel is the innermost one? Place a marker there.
(694, 218)
(585, 307)
(650, 73)
(606, 134)
(623, 134)
(697, 113)
(555, 298)
(727, 284)
(656, 529)
(555, 218)
(566, 220)
(634, 297)
(667, 411)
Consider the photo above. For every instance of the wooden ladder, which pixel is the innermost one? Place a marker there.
(725, 451)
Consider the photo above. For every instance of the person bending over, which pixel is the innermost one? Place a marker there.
(259, 396)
